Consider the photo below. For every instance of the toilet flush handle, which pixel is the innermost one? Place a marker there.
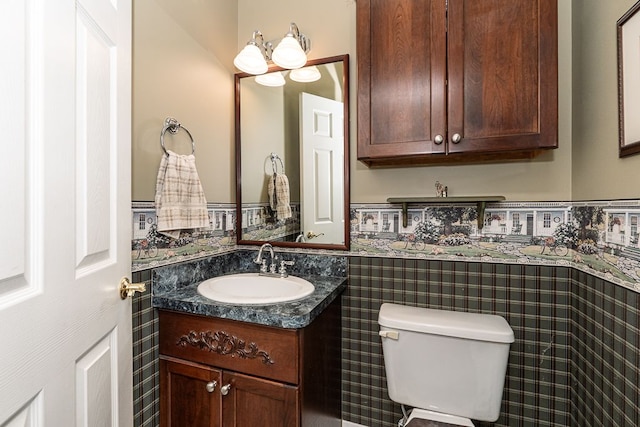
(389, 334)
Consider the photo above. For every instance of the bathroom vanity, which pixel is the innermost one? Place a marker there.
(241, 365)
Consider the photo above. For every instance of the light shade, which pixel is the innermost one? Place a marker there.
(289, 53)
(271, 79)
(305, 75)
(251, 60)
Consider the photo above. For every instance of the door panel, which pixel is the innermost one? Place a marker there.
(66, 173)
(322, 178)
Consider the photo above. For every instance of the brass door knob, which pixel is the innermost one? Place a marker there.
(311, 235)
(128, 289)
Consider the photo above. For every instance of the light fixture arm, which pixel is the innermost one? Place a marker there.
(305, 42)
(257, 39)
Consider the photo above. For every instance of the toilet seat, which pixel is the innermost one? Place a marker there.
(425, 414)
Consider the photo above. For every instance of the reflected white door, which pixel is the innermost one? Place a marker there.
(65, 213)
(321, 168)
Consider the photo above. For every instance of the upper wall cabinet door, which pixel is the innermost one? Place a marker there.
(476, 82)
(402, 74)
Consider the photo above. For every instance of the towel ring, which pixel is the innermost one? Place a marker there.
(173, 126)
(274, 166)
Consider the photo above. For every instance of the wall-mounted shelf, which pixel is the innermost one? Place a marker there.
(481, 202)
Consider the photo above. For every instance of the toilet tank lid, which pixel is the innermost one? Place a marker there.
(481, 327)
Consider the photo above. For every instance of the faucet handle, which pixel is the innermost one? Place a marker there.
(263, 267)
(283, 267)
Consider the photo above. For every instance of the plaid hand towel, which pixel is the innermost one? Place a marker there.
(180, 201)
(278, 190)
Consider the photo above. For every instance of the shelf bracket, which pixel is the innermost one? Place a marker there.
(480, 210)
(405, 210)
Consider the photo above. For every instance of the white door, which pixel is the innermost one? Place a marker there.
(65, 109)
(321, 168)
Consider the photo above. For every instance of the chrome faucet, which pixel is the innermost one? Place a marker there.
(263, 262)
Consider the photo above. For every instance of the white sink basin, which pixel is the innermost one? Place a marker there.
(251, 288)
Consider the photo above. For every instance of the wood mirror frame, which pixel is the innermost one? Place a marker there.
(253, 222)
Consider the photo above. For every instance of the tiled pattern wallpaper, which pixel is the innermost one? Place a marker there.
(575, 361)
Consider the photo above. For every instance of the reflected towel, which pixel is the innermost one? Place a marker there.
(180, 201)
(278, 190)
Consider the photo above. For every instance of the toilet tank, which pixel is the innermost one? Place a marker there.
(445, 361)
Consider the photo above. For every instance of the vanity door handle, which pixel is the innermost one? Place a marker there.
(224, 390)
(439, 139)
(456, 138)
(211, 386)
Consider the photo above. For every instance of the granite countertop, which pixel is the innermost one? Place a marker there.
(293, 314)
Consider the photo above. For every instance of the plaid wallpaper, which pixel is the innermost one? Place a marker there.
(533, 299)
(605, 368)
(575, 361)
(146, 380)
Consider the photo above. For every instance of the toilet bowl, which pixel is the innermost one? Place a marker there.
(449, 366)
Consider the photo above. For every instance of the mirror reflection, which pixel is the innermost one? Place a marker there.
(292, 156)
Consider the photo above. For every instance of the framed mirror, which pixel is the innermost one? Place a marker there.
(292, 156)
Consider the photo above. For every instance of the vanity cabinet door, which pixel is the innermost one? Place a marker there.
(252, 401)
(189, 394)
(455, 81)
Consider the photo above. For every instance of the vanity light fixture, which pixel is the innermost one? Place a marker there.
(253, 57)
(271, 79)
(305, 75)
(291, 52)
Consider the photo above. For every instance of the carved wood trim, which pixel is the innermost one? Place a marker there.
(224, 344)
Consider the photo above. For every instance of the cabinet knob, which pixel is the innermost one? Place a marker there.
(439, 139)
(456, 138)
(224, 390)
(211, 386)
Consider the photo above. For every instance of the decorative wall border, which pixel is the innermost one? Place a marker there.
(601, 236)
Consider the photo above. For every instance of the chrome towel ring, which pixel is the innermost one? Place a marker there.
(173, 126)
(274, 166)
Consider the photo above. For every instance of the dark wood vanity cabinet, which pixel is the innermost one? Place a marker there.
(456, 80)
(224, 373)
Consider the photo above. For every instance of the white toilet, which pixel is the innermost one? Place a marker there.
(449, 366)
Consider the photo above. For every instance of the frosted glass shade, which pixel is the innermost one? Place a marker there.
(305, 75)
(272, 79)
(289, 54)
(250, 60)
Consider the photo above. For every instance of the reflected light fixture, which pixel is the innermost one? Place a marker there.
(271, 79)
(291, 52)
(305, 75)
